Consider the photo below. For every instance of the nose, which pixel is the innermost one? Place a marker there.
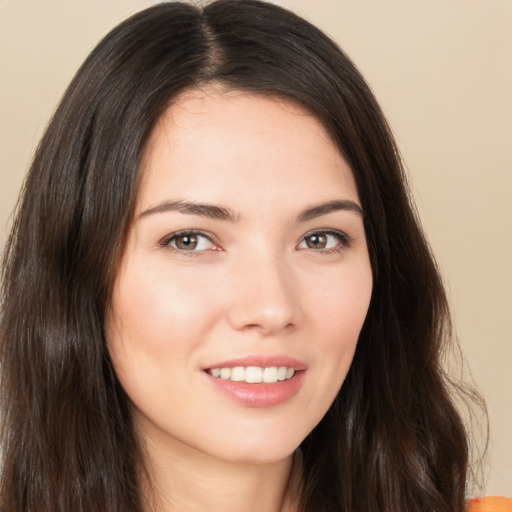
(265, 296)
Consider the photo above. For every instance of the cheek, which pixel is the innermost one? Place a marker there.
(339, 313)
(155, 311)
(342, 302)
(157, 323)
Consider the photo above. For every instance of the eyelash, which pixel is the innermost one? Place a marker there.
(344, 240)
(166, 242)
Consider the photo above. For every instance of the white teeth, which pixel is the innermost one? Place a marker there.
(253, 374)
(238, 373)
(225, 373)
(281, 373)
(270, 374)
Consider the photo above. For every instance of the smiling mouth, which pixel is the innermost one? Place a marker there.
(253, 374)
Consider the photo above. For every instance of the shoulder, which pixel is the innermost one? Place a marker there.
(489, 504)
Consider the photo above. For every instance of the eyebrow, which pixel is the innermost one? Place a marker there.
(191, 208)
(325, 208)
(226, 214)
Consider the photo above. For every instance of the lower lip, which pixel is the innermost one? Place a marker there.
(261, 394)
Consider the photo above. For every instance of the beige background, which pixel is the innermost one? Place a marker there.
(442, 70)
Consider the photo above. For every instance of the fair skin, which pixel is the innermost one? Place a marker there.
(247, 249)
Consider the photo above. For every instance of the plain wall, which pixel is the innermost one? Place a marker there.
(442, 70)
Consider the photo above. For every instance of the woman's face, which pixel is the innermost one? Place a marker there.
(245, 280)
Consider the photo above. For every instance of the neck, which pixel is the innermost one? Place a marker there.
(186, 480)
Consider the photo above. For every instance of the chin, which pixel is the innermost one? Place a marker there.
(256, 449)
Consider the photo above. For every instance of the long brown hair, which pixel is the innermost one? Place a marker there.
(392, 440)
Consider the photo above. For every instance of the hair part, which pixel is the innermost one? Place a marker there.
(392, 439)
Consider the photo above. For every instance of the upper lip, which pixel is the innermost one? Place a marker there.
(262, 361)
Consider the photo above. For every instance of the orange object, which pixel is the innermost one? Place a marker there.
(489, 504)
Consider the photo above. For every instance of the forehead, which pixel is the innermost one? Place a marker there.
(213, 142)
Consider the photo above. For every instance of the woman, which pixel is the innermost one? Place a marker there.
(216, 294)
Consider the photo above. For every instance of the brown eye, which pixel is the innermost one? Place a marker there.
(324, 241)
(189, 241)
(186, 242)
(316, 241)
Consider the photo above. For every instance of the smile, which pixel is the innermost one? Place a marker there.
(253, 374)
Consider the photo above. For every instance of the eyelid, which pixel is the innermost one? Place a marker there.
(344, 239)
(166, 240)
